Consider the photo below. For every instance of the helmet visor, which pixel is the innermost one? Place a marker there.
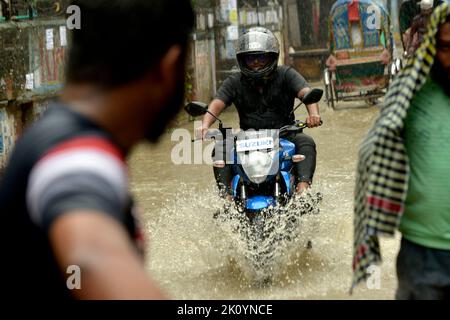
(257, 61)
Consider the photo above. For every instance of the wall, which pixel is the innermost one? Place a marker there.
(32, 60)
(10, 127)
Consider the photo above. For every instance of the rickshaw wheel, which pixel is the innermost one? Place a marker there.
(332, 101)
(329, 92)
(332, 95)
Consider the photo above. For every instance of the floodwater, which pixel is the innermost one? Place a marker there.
(193, 256)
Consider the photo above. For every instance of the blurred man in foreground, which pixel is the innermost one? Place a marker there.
(64, 196)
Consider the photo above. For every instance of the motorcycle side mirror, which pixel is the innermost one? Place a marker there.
(196, 108)
(313, 96)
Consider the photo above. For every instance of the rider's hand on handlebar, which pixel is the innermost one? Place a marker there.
(200, 132)
(313, 121)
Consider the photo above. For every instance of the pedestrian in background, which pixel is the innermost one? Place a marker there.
(403, 173)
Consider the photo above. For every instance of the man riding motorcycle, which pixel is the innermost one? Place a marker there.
(264, 95)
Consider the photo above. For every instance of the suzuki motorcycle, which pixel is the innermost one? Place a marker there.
(262, 161)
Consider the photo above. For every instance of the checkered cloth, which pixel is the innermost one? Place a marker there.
(383, 169)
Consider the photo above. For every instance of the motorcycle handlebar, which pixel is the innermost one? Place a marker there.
(299, 125)
(211, 134)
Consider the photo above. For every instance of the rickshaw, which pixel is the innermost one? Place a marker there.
(360, 65)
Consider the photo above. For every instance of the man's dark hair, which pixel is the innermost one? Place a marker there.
(121, 40)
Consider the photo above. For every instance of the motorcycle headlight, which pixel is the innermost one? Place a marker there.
(257, 165)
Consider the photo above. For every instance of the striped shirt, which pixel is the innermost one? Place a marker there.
(63, 163)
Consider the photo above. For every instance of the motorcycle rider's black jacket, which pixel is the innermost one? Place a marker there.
(265, 105)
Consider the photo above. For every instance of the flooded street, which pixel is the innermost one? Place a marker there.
(189, 255)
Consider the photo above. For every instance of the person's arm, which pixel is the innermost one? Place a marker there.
(331, 63)
(298, 87)
(224, 98)
(313, 119)
(412, 36)
(216, 107)
(405, 39)
(414, 28)
(78, 195)
(109, 264)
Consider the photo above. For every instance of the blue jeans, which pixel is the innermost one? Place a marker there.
(423, 273)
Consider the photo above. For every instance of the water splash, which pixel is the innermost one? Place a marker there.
(263, 247)
(215, 235)
(194, 256)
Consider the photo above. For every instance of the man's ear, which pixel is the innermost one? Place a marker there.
(168, 71)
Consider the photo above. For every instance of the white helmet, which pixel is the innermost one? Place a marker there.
(426, 4)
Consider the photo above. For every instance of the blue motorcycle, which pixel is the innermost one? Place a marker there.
(262, 188)
(262, 162)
